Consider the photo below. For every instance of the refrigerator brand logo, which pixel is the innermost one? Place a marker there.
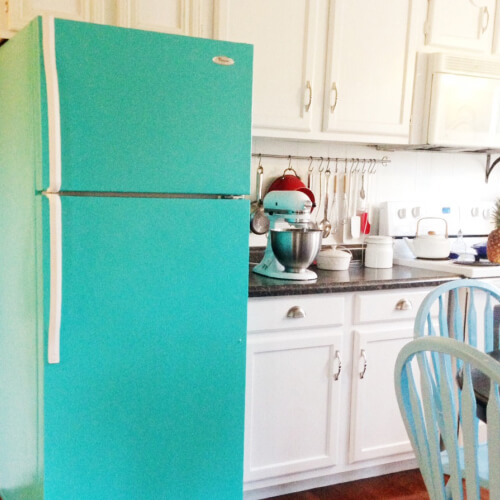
(223, 60)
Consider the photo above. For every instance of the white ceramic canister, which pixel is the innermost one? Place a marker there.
(379, 252)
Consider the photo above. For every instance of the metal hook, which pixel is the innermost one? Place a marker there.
(310, 168)
(373, 166)
(363, 169)
(353, 163)
(320, 165)
(328, 166)
(336, 165)
(260, 161)
(289, 161)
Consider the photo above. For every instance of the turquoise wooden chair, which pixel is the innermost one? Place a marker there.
(433, 407)
(454, 310)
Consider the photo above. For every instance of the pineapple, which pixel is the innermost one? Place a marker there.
(493, 245)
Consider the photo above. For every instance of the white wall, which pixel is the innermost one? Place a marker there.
(411, 175)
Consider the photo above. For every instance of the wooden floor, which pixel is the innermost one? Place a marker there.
(406, 485)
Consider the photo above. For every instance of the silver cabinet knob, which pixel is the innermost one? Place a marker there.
(403, 305)
(296, 312)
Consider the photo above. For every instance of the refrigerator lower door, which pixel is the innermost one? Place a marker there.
(147, 400)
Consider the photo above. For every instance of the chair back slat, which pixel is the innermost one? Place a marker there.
(456, 314)
(470, 433)
(443, 318)
(427, 437)
(493, 417)
(488, 325)
(472, 319)
(449, 431)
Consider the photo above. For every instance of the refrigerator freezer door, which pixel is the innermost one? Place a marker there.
(148, 397)
(151, 112)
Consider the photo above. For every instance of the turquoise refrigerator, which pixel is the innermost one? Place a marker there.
(124, 161)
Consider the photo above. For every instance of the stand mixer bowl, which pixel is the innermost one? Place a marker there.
(296, 248)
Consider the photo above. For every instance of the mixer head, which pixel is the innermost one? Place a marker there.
(293, 206)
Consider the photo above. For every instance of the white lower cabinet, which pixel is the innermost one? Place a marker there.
(293, 379)
(292, 403)
(377, 429)
(320, 400)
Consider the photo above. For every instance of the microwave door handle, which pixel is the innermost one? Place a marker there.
(485, 19)
(55, 226)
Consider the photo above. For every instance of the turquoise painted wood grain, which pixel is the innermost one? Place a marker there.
(148, 398)
(21, 154)
(434, 408)
(151, 112)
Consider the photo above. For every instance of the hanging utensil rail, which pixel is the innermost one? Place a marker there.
(383, 161)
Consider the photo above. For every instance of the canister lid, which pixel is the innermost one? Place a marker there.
(379, 240)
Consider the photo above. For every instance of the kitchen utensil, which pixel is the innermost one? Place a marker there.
(259, 222)
(295, 248)
(430, 245)
(292, 182)
(325, 224)
(355, 219)
(379, 252)
(334, 259)
(292, 244)
(334, 209)
(310, 169)
(287, 182)
(344, 202)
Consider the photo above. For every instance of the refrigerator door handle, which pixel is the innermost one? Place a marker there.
(53, 103)
(55, 223)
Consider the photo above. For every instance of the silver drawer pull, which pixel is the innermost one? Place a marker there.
(336, 375)
(404, 305)
(365, 363)
(296, 312)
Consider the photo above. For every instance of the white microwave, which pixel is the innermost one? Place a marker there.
(456, 101)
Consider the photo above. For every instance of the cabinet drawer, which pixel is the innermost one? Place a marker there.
(381, 306)
(283, 313)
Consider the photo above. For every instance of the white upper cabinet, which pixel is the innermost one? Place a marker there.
(329, 69)
(168, 16)
(21, 12)
(284, 37)
(461, 24)
(370, 65)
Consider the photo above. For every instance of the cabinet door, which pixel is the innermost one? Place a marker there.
(168, 16)
(292, 403)
(283, 35)
(463, 24)
(370, 66)
(377, 428)
(20, 12)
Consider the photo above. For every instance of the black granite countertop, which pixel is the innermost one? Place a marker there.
(357, 278)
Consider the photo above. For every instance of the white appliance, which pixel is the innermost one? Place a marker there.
(456, 101)
(471, 221)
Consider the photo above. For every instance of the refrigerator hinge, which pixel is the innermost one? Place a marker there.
(233, 197)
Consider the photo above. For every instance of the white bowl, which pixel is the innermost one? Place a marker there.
(334, 259)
